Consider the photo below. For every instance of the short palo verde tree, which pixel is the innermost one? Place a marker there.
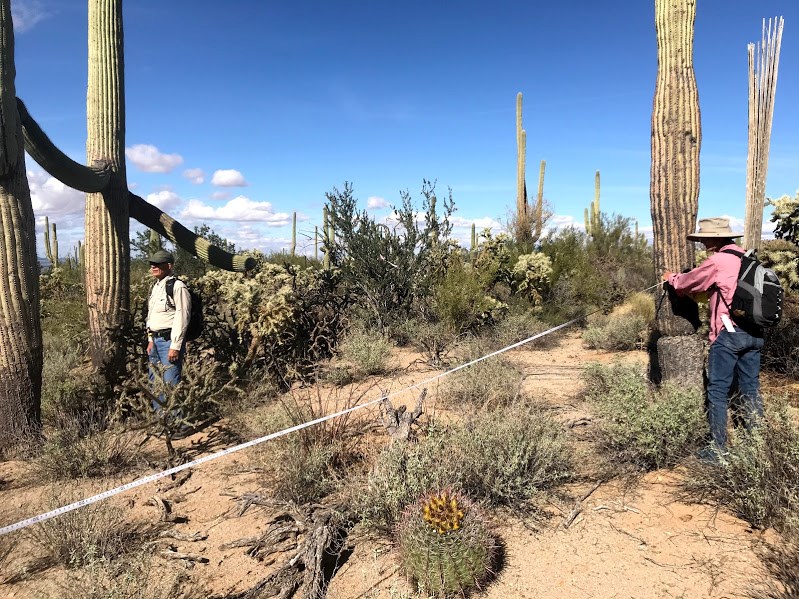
(20, 329)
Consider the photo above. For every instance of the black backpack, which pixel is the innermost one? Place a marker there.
(758, 296)
(195, 327)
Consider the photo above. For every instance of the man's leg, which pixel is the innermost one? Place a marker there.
(721, 361)
(159, 362)
(748, 371)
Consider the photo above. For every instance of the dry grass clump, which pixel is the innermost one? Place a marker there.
(505, 457)
(82, 446)
(489, 384)
(641, 427)
(517, 326)
(760, 480)
(365, 353)
(306, 465)
(82, 536)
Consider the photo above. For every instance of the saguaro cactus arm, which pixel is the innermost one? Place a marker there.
(165, 225)
(55, 162)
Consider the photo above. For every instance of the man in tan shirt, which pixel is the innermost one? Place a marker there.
(167, 319)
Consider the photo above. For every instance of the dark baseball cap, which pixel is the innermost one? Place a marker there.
(161, 257)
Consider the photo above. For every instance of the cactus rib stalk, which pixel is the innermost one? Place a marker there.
(676, 137)
(20, 327)
(165, 225)
(55, 162)
(521, 186)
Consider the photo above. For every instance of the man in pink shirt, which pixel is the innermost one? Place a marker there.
(734, 352)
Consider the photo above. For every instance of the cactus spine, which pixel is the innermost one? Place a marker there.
(50, 243)
(20, 327)
(444, 544)
(674, 180)
(762, 88)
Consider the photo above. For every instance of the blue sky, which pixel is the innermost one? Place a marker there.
(240, 113)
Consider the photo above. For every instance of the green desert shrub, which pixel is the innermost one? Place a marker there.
(617, 332)
(760, 479)
(84, 446)
(508, 456)
(444, 544)
(640, 426)
(492, 383)
(62, 393)
(364, 353)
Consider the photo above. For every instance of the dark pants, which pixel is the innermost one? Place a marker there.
(733, 355)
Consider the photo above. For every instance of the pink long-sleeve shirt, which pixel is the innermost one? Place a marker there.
(719, 273)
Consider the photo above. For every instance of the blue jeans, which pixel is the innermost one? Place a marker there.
(733, 356)
(159, 354)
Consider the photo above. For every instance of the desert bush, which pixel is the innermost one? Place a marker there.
(390, 269)
(132, 577)
(782, 257)
(84, 446)
(492, 383)
(786, 217)
(82, 536)
(640, 426)
(617, 332)
(760, 479)
(508, 456)
(444, 543)
(308, 464)
(434, 340)
(781, 562)
(364, 352)
(62, 391)
(518, 325)
(781, 347)
(460, 301)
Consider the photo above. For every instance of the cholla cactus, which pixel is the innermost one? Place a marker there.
(444, 543)
(783, 258)
(531, 275)
(786, 217)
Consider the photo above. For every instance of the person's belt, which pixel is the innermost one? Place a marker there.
(162, 334)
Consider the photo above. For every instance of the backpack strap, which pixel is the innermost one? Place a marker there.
(170, 292)
(734, 253)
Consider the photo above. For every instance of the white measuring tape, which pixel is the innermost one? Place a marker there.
(163, 474)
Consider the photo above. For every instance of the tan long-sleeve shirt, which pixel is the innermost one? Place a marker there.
(160, 316)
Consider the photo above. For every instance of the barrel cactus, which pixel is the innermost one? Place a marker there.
(445, 545)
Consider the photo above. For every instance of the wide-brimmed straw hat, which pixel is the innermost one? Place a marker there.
(713, 228)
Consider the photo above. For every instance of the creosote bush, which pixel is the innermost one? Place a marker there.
(640, 426)
(445, 545)
(506, 457)
(760, 482)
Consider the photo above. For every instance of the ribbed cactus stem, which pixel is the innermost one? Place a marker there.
(474, 238)
(326, 229)
(165, 225)
(595, 210)
(20, 327)
(538, 211)
(55, 162)
(587, 221)
(107, 213)
(676, 139)
(293, 234)
(54, 241)
(521, 187)
(47, 251)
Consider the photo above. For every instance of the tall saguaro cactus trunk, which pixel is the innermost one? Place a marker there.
(20, 329)
(674, 183)
(107, 213)
(522, 212)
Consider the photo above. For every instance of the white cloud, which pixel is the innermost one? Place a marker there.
(485, 222)
(149, 159)
(195, 175)
(240, 208)
(165, 199)
(228, 178)
(220, 195)
(375, 203)
(52, 198)
(26, 13)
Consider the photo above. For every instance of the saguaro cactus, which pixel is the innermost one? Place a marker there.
(593, 216)
(762, 89)
(522, 216)
(50, 243)
(20, 328)
(674, 181)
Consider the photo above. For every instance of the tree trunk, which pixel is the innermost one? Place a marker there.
(674, 177)
(107, 219)
(20, 329)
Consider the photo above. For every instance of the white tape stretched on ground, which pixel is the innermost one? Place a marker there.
(163, 474)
